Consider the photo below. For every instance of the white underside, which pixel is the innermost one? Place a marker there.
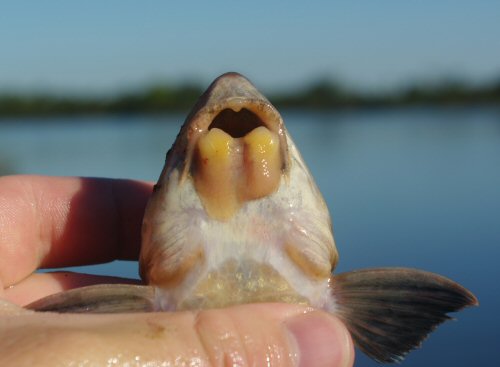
(293, 214)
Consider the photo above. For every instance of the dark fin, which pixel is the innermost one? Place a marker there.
(102, 298)
(390, 311)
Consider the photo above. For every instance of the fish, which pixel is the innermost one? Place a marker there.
(236, 217)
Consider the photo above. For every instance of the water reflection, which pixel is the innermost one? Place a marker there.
(411, 187)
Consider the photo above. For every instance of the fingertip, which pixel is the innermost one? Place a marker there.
(321, 340)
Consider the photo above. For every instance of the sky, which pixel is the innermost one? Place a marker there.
(105, 46)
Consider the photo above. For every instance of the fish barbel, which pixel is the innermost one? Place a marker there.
(236, 217)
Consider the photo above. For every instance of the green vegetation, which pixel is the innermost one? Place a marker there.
(154, 99)
(319, 95)
(327, 95)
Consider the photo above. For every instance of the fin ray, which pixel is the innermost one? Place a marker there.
(102, 298)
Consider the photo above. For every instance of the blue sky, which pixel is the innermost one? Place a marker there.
(107, 45)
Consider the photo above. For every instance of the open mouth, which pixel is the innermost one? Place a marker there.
(236, 124)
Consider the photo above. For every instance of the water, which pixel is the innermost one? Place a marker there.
(411, 187)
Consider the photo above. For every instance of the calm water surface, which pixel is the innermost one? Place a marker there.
(412, 187)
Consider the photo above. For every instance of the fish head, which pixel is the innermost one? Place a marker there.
(236, 216)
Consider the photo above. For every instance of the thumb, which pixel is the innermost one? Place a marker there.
(247, 335)
(273, 334)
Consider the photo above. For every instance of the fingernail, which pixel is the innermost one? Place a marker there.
(321, 340)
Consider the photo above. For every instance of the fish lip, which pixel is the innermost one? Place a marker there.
(263, 110)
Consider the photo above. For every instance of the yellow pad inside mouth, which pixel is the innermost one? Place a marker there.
(262, 163)
(230, 171)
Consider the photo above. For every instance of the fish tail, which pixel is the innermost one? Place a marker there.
(390, 311)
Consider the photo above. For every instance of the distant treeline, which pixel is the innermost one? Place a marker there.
(321, 95)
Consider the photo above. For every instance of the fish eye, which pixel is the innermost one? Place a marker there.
(236, 124)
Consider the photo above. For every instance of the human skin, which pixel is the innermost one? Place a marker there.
(59, 222)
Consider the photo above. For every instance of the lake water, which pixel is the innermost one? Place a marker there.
(410, 187)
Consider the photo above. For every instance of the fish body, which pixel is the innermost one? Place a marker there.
(236, 217)
(266, 236)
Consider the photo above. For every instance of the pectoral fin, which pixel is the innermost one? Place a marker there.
(103, 298)
(390, 311)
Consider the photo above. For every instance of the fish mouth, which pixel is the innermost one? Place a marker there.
(236, 146)
(236, 123)
(233, 104)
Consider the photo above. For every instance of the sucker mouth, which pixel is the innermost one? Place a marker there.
(233, 147)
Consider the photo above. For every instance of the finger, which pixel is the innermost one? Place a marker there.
(249, 335)
(39, 285)
(58, 222)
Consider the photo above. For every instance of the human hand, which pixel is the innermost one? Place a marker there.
(60, 222)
